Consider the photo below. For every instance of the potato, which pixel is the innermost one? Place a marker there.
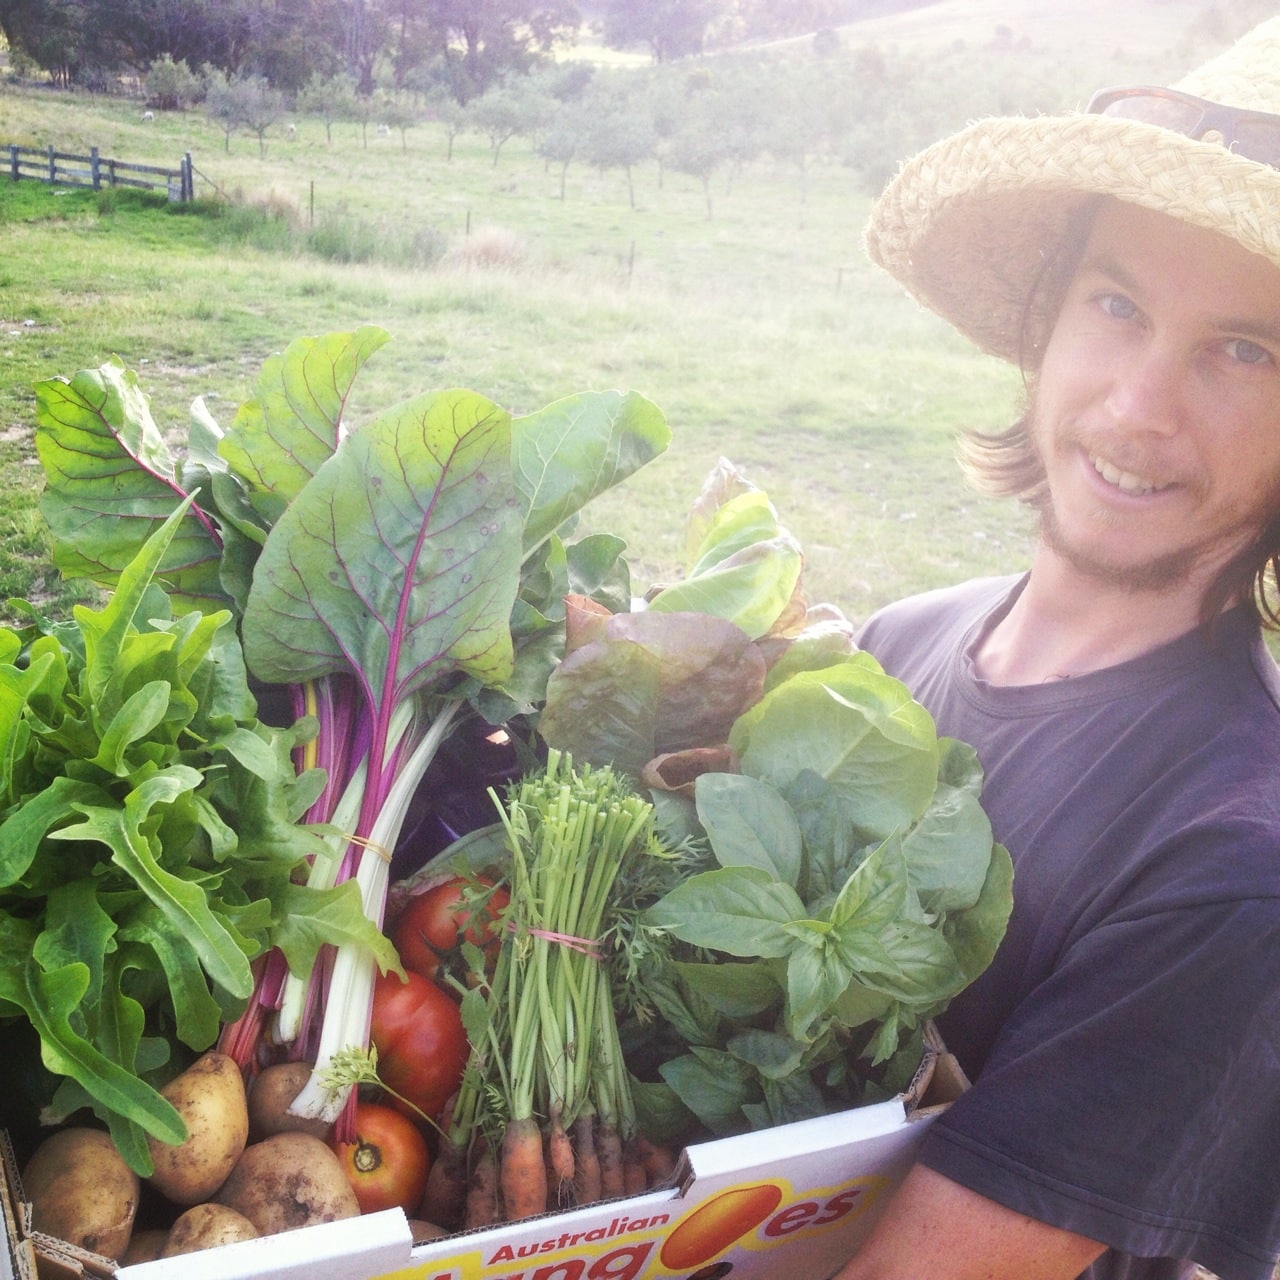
(289, 1180)
(204, 1226)
(273, 1089)
(82, 1191)
(209, 1096)
(145, 1246)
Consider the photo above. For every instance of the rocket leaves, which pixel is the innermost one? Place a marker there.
(148, 843)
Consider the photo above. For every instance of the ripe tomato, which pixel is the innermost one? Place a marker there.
(387, 1162)
(432, 924)
(422, 1047)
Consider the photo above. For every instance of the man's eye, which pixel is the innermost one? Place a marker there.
(1117, 306)
(1247, 352)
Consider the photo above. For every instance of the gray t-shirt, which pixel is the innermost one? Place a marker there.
(1125, 1043)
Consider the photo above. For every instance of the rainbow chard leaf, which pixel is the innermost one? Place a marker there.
(111, 482)
(292, 424)
(400, 560)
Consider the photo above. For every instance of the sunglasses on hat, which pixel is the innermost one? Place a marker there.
(1252, 134)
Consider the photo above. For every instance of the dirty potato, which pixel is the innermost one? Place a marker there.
(273, 1089)
(82, 1191)
(286, 1181)
(145, 1246)
(209, 1096)
(204, 1226)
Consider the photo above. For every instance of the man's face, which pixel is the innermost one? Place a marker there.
(1157, 405)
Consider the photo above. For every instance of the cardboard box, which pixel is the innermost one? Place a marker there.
(793, 1200)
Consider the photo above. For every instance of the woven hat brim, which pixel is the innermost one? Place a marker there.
(968, 224)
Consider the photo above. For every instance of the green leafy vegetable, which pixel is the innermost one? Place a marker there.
(859, 889)
(857, 886)
(397, 579)
(150, 835)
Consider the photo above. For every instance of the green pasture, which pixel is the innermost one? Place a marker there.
(760, 329)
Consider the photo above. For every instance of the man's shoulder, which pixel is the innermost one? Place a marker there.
(961, 604)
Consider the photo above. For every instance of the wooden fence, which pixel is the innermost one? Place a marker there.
(97, 172)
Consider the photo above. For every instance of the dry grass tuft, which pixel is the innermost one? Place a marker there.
(490, 248)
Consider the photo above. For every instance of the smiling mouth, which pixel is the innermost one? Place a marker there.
(1125, 481)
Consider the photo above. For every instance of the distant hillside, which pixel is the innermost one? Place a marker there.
(1137, 26)
(1178, 32)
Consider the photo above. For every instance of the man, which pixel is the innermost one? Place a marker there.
(1124, 1047)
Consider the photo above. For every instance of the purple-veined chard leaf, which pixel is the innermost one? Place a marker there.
(111, 481)
(578, 448)
(293, 422)
(400, 560)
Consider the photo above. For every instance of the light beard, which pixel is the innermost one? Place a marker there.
(1163, 574)
(1158, 575)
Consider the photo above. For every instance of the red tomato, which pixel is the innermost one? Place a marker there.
(422, 1047)
(433, 922)
(387, 1162)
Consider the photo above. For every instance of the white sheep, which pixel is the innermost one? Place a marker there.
(148, 115)
(384, 131)
(291, 131)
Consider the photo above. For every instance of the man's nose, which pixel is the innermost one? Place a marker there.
(1146, 390)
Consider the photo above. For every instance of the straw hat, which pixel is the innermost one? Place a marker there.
(968, 224)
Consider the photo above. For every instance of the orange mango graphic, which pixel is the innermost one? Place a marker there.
(714, 1226)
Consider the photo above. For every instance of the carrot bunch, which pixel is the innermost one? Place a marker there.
(545, 1119)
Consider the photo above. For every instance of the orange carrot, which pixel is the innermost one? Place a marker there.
(482, 1190)
(561, 1150)
(559, 1164)
(521, 1172)
(586, 1170)
(609, 1152)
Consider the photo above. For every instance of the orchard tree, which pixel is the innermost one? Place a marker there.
(398, 112)
(699, 152)
(331, 98)
(171, 85)
(563, 137)
(509, 110)
(620, 139)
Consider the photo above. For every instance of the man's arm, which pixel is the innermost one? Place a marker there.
(935, 1229)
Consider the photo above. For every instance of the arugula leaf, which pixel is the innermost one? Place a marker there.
(148, 843)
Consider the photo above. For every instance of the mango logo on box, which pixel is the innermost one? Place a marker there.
(711, 1228)
(757, 1217)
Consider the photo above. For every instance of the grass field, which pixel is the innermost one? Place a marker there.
(760, 330)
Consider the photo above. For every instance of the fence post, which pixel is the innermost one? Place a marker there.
(53, 165)
(13, 161)
(188, 179)
(93, 167)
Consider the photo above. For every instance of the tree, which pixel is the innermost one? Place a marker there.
(241, 100)
(670, 28)
(398, 112)
(260, 106)
(329, 97)
(509, 110)
(499, 37)
(620, 139)
(171, 85)
(443, 107)
(699, 152)
(561, 140)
